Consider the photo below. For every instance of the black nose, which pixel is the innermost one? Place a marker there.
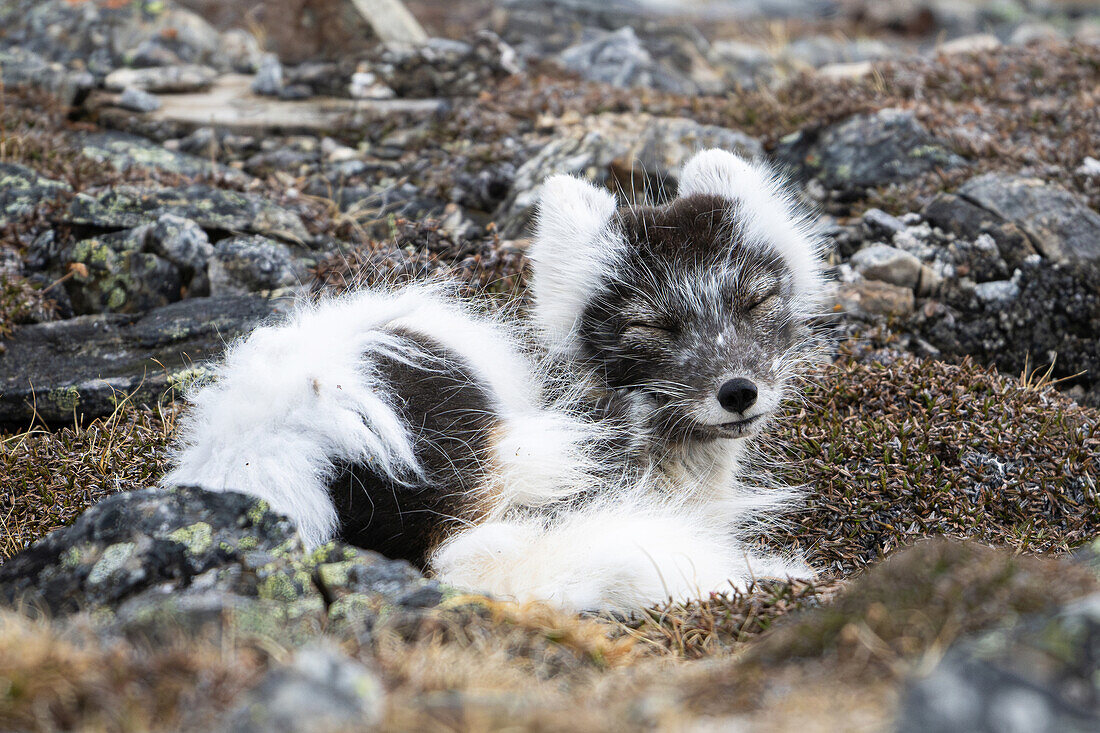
(737, 395)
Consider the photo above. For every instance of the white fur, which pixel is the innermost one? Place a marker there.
(765, 212)
(292, 400)
(573, 248)
(614, 557)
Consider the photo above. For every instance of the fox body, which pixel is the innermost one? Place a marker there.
(408, 423)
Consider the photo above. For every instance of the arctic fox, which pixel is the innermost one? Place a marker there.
(407, 423)
(388, 419)
(686, 324)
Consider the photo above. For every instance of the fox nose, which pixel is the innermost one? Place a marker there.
(737, 395)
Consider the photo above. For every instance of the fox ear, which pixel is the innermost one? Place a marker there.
(573, 248)
(764, 211)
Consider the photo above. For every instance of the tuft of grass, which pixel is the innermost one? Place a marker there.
(894, 447)
(48, 478)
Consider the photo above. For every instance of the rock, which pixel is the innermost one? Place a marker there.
(114, 273)
(618, 58)
(243, 264)
(977, 43)
(101, 37)
(239, 51)
(960, 217)
(997, 292)
(391, 21)
(156, 562)
(82, 366)
(1026, 33)
(879, 223)
(182, 242)
(138, 101)
(319, 690)
(269, 77)
(869, 298)
(365, 85)
(127, 152)
(654, 162)
(818, 51)
(1040, 674)
(18, 66)
(444, 67)
(126, 207)
(163, 79)
(744, 65)
(866, 151)
(1054, 318)
(642, 154)
(1059, 224)
(22, 190)
(888, 264)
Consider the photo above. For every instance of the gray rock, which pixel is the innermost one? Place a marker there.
(878, 222)
(818, 51)
(744, 65)
(887, 264)
(269, 77)
(619, 58)
(962, 218)
(163, 79)
(138, 101)
(126, 207)
(155, 563)
(126, 152)
(19, 66)
(243, 264)
(1059, 224)
(1041, 675)
(642, 154)
(51, 371)
(318, 691)
(102, 37)
(22, 190)
(182, 242)
(997, 291)
(867, 151)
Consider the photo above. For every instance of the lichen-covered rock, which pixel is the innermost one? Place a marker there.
(1040, 674)
(126, 207)
(22, 190)
(127, 152)
(1059, 224)
(21, 66)
(866, 151)
(113, 273)
(243, 264)
(85, 365)
(156, 559)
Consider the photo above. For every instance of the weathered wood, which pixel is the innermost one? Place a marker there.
(230, 104)
(391, 21)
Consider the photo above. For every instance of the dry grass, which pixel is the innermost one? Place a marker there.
(68, 678)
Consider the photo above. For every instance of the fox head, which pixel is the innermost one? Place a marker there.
(697, 309)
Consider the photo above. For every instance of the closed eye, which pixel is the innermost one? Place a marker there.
(765, 301)
(648, 326)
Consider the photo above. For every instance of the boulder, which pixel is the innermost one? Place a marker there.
(866, 151)
(114, 273)
(126, 152)
(85, 365)
(137, 100)
(243, 264)
(22, 190)
(154, 561)
(1059, 224)
(867, 299)
(126, 207)
(1040, 674)
(887, 264)
(19, 66)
